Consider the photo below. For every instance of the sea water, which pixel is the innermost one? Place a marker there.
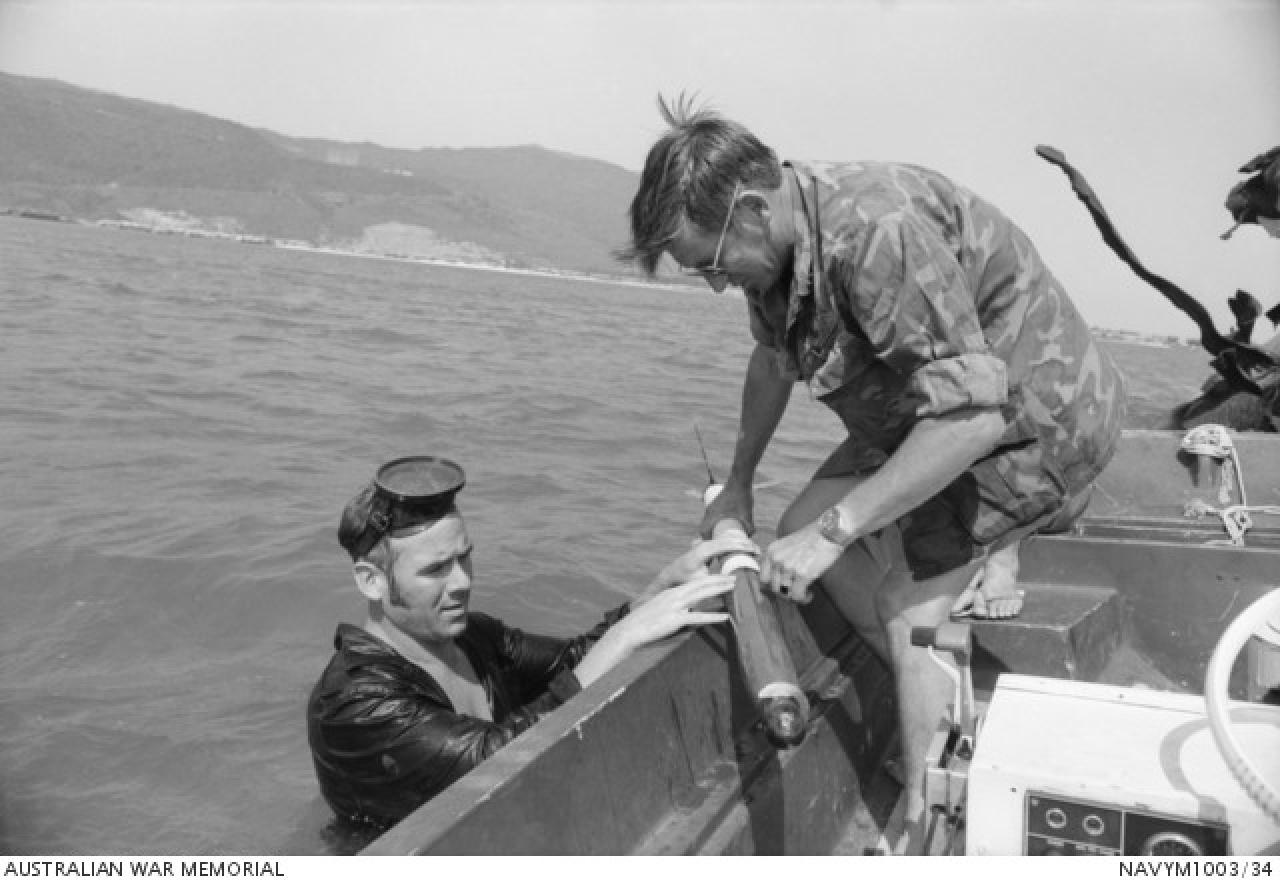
(181, 422)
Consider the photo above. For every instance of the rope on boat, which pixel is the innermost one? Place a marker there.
(1214, 441)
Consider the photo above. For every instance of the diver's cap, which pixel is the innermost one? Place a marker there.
(405, 496)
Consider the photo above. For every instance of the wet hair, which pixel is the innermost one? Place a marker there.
(381, 556)
(689, 177)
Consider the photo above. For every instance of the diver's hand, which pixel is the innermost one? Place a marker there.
(654, 620)
(792, 563)
(695, 563)
(735, 501)
(673, 609)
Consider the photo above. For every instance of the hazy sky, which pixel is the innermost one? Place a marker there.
(1157, 102)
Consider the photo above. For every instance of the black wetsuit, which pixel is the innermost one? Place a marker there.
(384, 736)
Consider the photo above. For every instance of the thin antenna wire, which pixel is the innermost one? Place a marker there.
(706, 462)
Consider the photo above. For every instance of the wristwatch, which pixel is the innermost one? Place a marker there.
(834, 526)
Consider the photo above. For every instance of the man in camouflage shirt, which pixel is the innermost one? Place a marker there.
(978, 408)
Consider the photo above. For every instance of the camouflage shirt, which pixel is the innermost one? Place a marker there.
(928, 299)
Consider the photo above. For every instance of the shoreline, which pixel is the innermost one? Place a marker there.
(304, 246)
(547, 273)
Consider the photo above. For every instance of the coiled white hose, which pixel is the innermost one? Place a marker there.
(1216, 700)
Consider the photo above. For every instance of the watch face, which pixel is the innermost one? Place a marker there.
(831, 528)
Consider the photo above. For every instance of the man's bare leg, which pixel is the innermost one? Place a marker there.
(873, 588)
(924, 689)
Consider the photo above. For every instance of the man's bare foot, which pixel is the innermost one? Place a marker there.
(993, 593)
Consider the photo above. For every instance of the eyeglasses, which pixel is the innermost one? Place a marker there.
(715, 275)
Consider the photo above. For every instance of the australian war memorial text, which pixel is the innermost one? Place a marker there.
(49, 868)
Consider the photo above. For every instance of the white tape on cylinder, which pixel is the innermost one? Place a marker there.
(740, 562)
(784, 690)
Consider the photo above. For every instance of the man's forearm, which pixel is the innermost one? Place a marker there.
(765, 394)
(933, 454)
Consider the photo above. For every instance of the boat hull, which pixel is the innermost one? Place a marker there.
(665, 755)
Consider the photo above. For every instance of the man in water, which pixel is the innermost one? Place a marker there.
(978, 409)
(426, 689)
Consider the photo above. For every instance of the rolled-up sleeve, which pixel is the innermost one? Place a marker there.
(970, 379)
(910, 296)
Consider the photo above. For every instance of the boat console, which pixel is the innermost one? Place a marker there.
(1071, 768)
(1075, 768)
